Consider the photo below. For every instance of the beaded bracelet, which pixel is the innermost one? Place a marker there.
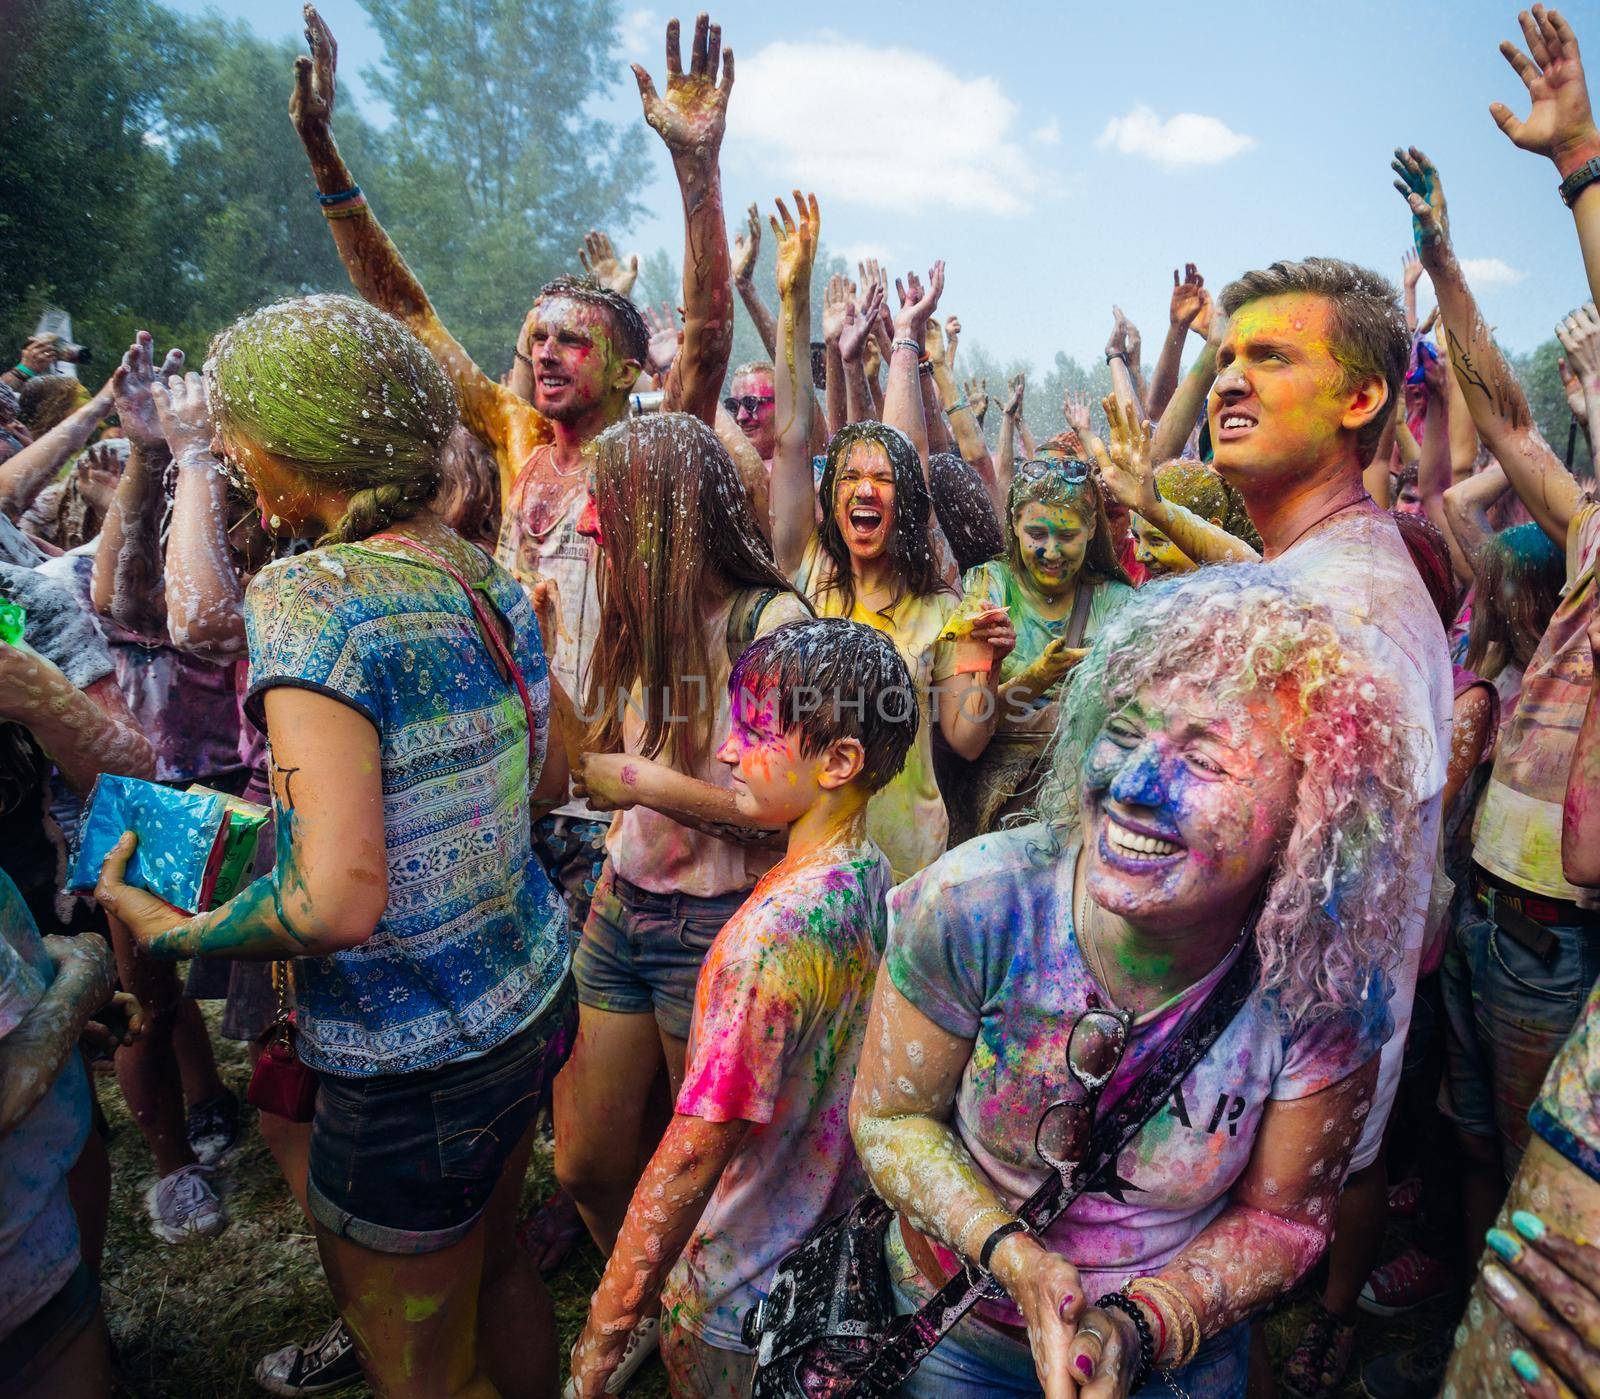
(354, 192)
(1116, 1301)
(906, 343)
(517, 351)
(1187, 1319)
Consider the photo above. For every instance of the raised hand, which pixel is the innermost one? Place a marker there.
(1189, 296)
(933, 344)
(39, 354)
(694, 113)
(185, 414)
(1560, 124)
(665, 337)
(797, 243)
(1572, 387)
(130, 390)
(1124, 462)
(316, 77)
(1579, 335)
(747, 246)
(1018, 388)
(871, 273)
(858, 319)
(1130, 335)
(917, 303)
(1075, 409)
(1410, 270)
(952, 333)
(1420, 186)
(836, 298)
(97, 472)
(601, 262)
(976, 392)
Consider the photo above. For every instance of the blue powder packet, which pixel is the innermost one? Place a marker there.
(181, 837)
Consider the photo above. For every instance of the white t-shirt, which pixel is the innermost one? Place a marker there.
(1358, 567)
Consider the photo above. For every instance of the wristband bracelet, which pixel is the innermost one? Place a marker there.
(955, 408)
(905, 343)
(1000, 1235)
(1116, 1301)
(1117, 354)
(347, 210)
(354, 192)
(26, 373)
(518, 353)
(1579, 180)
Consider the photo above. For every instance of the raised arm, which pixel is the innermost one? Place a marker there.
(1005, 452)
(205, 595)
(690, 119)
(746, 249)
(1494, 398)
(1189, 398)
(835, 309)
(1580, 818)
(38, 356)
(853, 336)
(127, 565)
(794, 495)
(1579, 335)
(1433, 467)
(376, 268)
(25, 474)
(1560, 124)
(1410, 275)
(1189, 298)
(902, 398)
(1123, 361)
(956, 408)
(599, 258)
(1466, 507)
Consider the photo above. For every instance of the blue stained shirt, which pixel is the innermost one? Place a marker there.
(473, 942)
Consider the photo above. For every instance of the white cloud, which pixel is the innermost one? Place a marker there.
(886, 127)
(1047, 135)
(640, 34)
(1490, 272)
(1187, 138)
(860, 252)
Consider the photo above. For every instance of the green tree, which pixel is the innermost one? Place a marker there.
(498, 169)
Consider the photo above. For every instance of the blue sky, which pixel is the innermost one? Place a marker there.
(1034, 147)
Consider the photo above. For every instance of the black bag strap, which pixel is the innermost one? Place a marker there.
(1078, 621)
(906, 1346)
(744, 617)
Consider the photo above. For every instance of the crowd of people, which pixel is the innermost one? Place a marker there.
(1098, 879)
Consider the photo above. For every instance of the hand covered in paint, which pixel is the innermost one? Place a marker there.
(796, 243)
(97, 472)
(87, 961)
(607, 780)
(917, 303)
(694, 113)
(952, 333)
(1126, 470)
(185, 415)
(131, 385)
(1124, 339)
(835, 307)
(746, 247)
(858, 318)
(315, 78)
(1057, 659)
(138, 910)
(124, 1007)
(1075, 409)
(1420, 186)
(1548, 1287)
(1189, 296)
(665, 340)
(993, 628)
(1049, 1293)
(933, 345)
(601, 262)
(1579, 335)
(1560, 124)
(1104, 1355)
(976, 392)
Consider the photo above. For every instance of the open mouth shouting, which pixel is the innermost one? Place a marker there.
(865, 521)
(1137, 847)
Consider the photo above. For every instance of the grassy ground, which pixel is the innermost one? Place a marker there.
(190, 1322)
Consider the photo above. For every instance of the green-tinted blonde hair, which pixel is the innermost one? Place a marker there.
(346, 395)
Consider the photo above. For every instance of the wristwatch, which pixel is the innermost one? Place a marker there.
(1579, 180)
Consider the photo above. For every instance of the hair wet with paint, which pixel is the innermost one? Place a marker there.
(1327, 929)
(342, 394)
(1071, 484)
(965, 513)
(632, 335)
(1195, 486)
(1520, 576)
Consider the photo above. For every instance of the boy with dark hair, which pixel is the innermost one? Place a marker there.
(759, 1150)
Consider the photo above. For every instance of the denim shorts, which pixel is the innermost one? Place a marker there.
(30, 1349)
(405, 1163)
(1507, 1014)
(641, 952)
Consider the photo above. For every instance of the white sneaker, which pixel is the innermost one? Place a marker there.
(643, 1342)
(183, 1206)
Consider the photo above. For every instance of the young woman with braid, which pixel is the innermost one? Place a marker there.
(399, 677)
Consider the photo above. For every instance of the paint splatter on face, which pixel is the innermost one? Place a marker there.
(1278, 406)
(759, 425)
(774, 784)
(1156, 552)
(1053, 540)
(1185, 799)
(863, 500)
(574, 359)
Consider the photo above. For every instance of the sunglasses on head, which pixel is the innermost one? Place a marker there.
(1070, 469)
(750, 402)
(1094, 1050)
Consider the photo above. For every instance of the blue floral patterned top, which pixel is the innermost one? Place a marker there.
(473, 943)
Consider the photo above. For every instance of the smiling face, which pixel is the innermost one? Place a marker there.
(1185, 801)
(1156, 552)
(774, 783)
(575, 363)
(757, 426)
(1053, 540)
(863, 500)
(1281, 409)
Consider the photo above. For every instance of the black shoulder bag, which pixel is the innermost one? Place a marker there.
(828, 1328)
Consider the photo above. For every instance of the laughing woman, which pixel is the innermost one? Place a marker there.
(870, 557)
(1226, 764)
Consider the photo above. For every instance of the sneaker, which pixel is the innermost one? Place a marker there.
(183, 1206)
(1405, 1282)
(1410, 1374)
(329, 1362)
(1320, 1360)
(1405, 1198)
(643, 1342)
(213, 1130)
